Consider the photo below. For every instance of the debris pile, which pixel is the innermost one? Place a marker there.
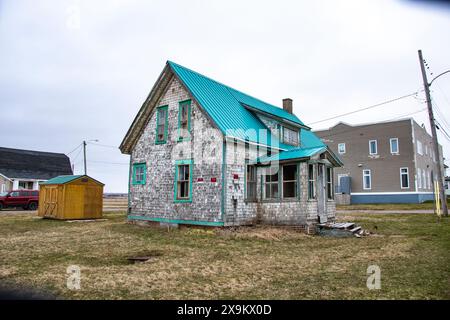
(341, 230)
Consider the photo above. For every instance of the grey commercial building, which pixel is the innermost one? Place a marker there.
(385, 162)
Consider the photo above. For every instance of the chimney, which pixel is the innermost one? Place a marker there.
(287, 105)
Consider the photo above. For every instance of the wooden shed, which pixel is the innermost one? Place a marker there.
(71, 197)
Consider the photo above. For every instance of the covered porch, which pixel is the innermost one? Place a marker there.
(293, 187)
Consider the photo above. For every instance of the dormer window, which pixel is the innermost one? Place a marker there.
(290, 136)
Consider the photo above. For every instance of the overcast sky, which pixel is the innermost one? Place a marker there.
(74, 70)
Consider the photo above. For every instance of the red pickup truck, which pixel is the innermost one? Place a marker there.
(26, 199)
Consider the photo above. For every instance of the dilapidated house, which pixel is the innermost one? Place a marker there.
(204, 153)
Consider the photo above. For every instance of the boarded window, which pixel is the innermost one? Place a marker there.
(251, 183)
(290, 181)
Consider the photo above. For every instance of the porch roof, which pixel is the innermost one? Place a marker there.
(299, 153)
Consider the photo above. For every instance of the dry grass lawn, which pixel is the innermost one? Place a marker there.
(413, 252)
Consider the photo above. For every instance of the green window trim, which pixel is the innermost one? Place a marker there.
(178, 163)
(181, 104)
(166, 122)
(135, 167)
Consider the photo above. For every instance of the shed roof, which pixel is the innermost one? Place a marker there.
(66, 179)
(29, 164)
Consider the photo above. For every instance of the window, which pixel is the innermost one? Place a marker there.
(311, 182)
(341, 148)
(139, 173)
(14, 194)
(183, 181)
(373, 147)
(290, 181)
(394, 145)
(367, 179)
(161, 124)
(290, 136)
(3, 187)
(251, 183)
(419, 178)
(184, 120)
(271, 184)
(404, 178)
(330, 194)
(419, 147)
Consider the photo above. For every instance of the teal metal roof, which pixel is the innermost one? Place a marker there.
(62, 179)
(299, 153)
(225, 106)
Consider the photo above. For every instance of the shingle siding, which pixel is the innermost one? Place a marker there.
(155, 199)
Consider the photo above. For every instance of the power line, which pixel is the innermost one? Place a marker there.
(107, 162)
(103, 145)
(366, 108)
(386, 120)
(74, 149)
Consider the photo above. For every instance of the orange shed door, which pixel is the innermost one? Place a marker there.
(50, 201)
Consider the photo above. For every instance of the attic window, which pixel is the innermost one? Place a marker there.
(184, 120)
(161, 124)
(290, 136)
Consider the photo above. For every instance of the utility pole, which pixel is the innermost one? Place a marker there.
(433, 133)
(84, 151)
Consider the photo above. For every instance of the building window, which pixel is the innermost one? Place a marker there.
(367, 179)
(290, 181)
(139, 173)
(311, 182)
(341, 148)
(394, 145)
(290, 136)
(373, 147)
(251, 183)
(183, 181)
(330, 193)
(3, 188)
(419, 147)
(404, 178)
(161, 124)
(271, 184)
(184, 120)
